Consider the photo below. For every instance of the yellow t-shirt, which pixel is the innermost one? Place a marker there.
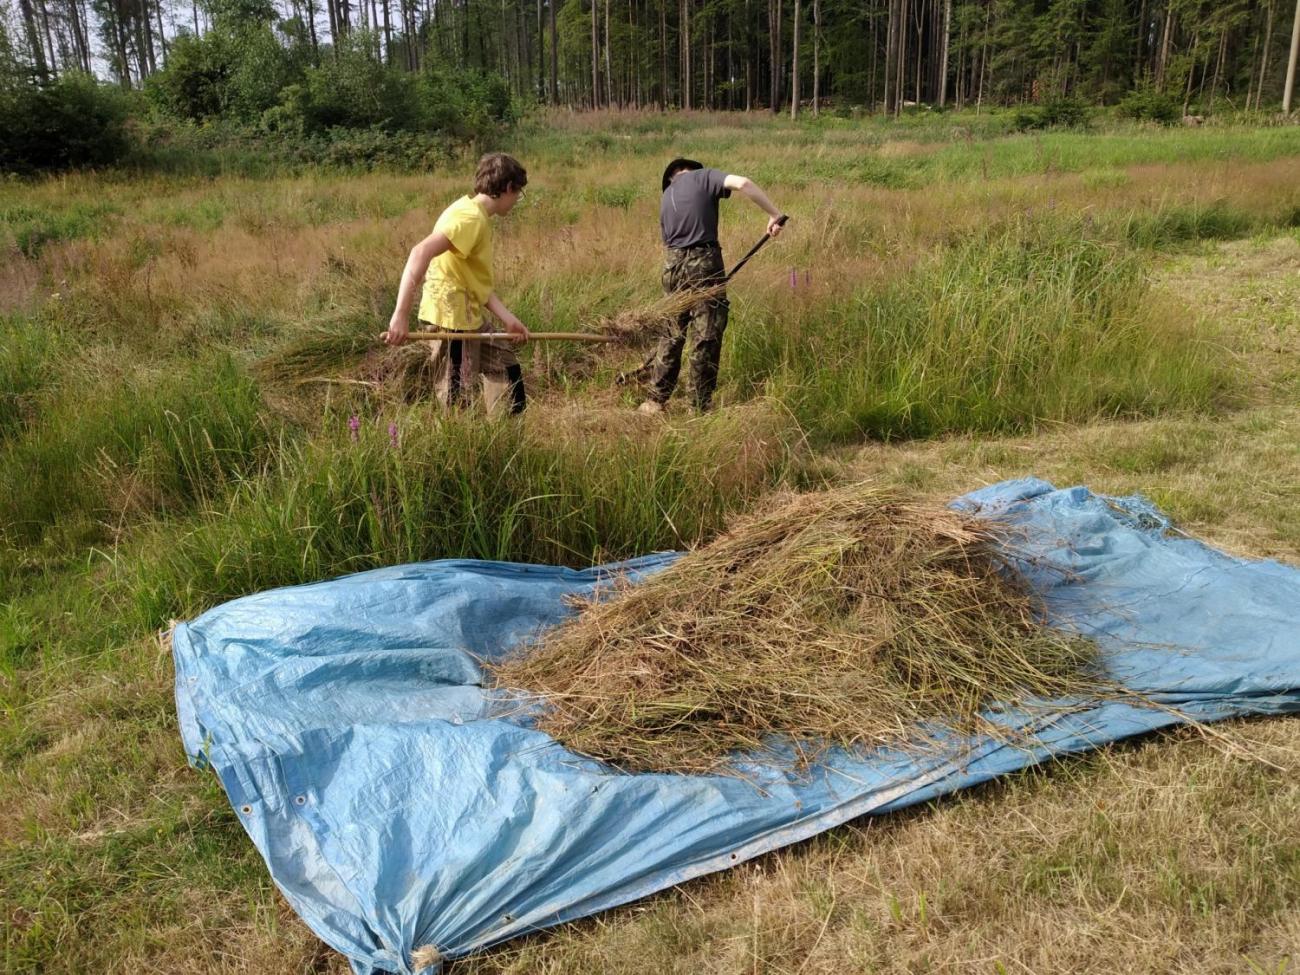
(459, 281)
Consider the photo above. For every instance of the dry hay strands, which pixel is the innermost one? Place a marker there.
(644, 324)
(319, 350)
(850, 617)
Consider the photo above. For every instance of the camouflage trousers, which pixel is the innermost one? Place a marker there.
(459, 368)
(686, 269)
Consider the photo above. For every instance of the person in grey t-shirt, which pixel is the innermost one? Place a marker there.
(688, 219)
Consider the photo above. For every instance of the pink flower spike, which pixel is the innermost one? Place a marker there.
(392, 434)
(794, 278)
(354, 425)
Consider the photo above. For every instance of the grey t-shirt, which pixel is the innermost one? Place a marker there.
(688, 212)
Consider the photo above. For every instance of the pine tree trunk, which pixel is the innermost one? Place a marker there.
(663, 55)
(891, 54)
(34, 39)
(688, 82)
(44, 19)
(817, 57)
(595, 56)
(162, 34)
(554, 52)
(771, 56)
(609, 73)
(943, 53)
(1263, 65)
(1166, 34)
(1218, 65)
(900, 70)
(794, 65)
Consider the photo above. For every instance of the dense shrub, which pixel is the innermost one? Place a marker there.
(1057, 112)
(234, 72)
(1148, 104)
(73, 121)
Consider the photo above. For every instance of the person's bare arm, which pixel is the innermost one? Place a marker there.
(508, 318)
(417, 265)
(748, 188)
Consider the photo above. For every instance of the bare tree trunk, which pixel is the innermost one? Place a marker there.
(920, 26)
(1289, 89)
(663, 55)
(34, 39)
(162, 34)
(1268, 42)
(794, 65)
(688, 82)
(984, 59)
(900, 71)
(817, 57)
(609, 73)
(1218, 65)
(44, 19)
(119, 34)
(1140, 47)
(943, 53)
(555, 52)
(1191, 71)
(80, 47)
(891, 54)
(1163, 58)
(772, 57)
(595, 56)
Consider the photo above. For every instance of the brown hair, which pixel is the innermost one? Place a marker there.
(498, 173)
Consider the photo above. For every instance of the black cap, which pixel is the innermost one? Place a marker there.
(677, 164)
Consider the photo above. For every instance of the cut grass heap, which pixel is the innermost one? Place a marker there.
(847, 617)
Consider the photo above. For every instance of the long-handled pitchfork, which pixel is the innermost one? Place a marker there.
(643, 371)
(582, 336)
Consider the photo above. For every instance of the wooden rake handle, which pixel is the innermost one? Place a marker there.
(507, 336)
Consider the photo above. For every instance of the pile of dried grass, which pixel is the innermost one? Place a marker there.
(636, 325)
(843, 617)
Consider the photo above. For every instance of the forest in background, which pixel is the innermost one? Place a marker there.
(457, 68)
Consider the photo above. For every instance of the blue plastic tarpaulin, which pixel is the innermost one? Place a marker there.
(396, 808)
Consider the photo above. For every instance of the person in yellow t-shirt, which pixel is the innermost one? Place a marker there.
(455, 265)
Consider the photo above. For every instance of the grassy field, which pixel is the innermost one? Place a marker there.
(951, 304)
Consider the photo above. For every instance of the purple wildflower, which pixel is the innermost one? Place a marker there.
(354, 424)
(392, 434)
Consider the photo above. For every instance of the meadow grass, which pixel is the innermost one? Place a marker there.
(112, 445)
(1115, 308)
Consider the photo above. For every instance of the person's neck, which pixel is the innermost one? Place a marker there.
(488, 203)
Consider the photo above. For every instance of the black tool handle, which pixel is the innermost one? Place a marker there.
(780, 222)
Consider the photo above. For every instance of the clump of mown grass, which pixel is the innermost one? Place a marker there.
(846, 617)
(1025, 325)
(421, 484)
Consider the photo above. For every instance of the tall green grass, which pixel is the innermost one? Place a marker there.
(1024, 325)
(25, 368)
(110, 448)
(460, 486)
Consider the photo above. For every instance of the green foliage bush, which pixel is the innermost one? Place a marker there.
(1147, 104)
(1056, 112)
(71, 122)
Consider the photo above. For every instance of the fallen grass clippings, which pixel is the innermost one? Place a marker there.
(847, 617)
